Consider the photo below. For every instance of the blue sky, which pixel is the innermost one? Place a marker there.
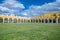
(28, 3)
(28, 8)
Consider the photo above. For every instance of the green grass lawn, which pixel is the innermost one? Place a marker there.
(29, 31)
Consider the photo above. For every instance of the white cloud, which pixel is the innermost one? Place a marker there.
(13, 3)
(39, 10)
(57, 0)
(13, 7)
(25, 14)
(3, 8)
(10, 7)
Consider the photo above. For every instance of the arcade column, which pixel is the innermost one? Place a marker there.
(3, 20)
(57, 18)
(8, 20)
(12, 20)
(51, 20)
(48, 20)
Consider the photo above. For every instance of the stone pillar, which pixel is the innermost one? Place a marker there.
(23, 20)
(35, 20)
(57, 18)
(12, 20)
(30, 21)
(8, 20)
(38, 20)
(17, 20)
(3, 20)
(51, 20)
(48, 20)
(20, 20)
(44, 20)
(41, 20)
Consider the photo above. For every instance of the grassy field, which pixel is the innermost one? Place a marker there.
(29, 31)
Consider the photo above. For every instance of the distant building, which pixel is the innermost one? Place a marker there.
(53, 17)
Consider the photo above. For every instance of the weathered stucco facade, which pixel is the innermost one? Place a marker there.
(53, 17)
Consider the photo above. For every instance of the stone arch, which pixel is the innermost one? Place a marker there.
(39, 20)
(15, 20)
(18, 20)
(36, 20)
(46, 21)
(10, 20)
(42, 20)
(21, 20)
(58, 20)
(50, 20)
(54, 20)
(6, 20)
